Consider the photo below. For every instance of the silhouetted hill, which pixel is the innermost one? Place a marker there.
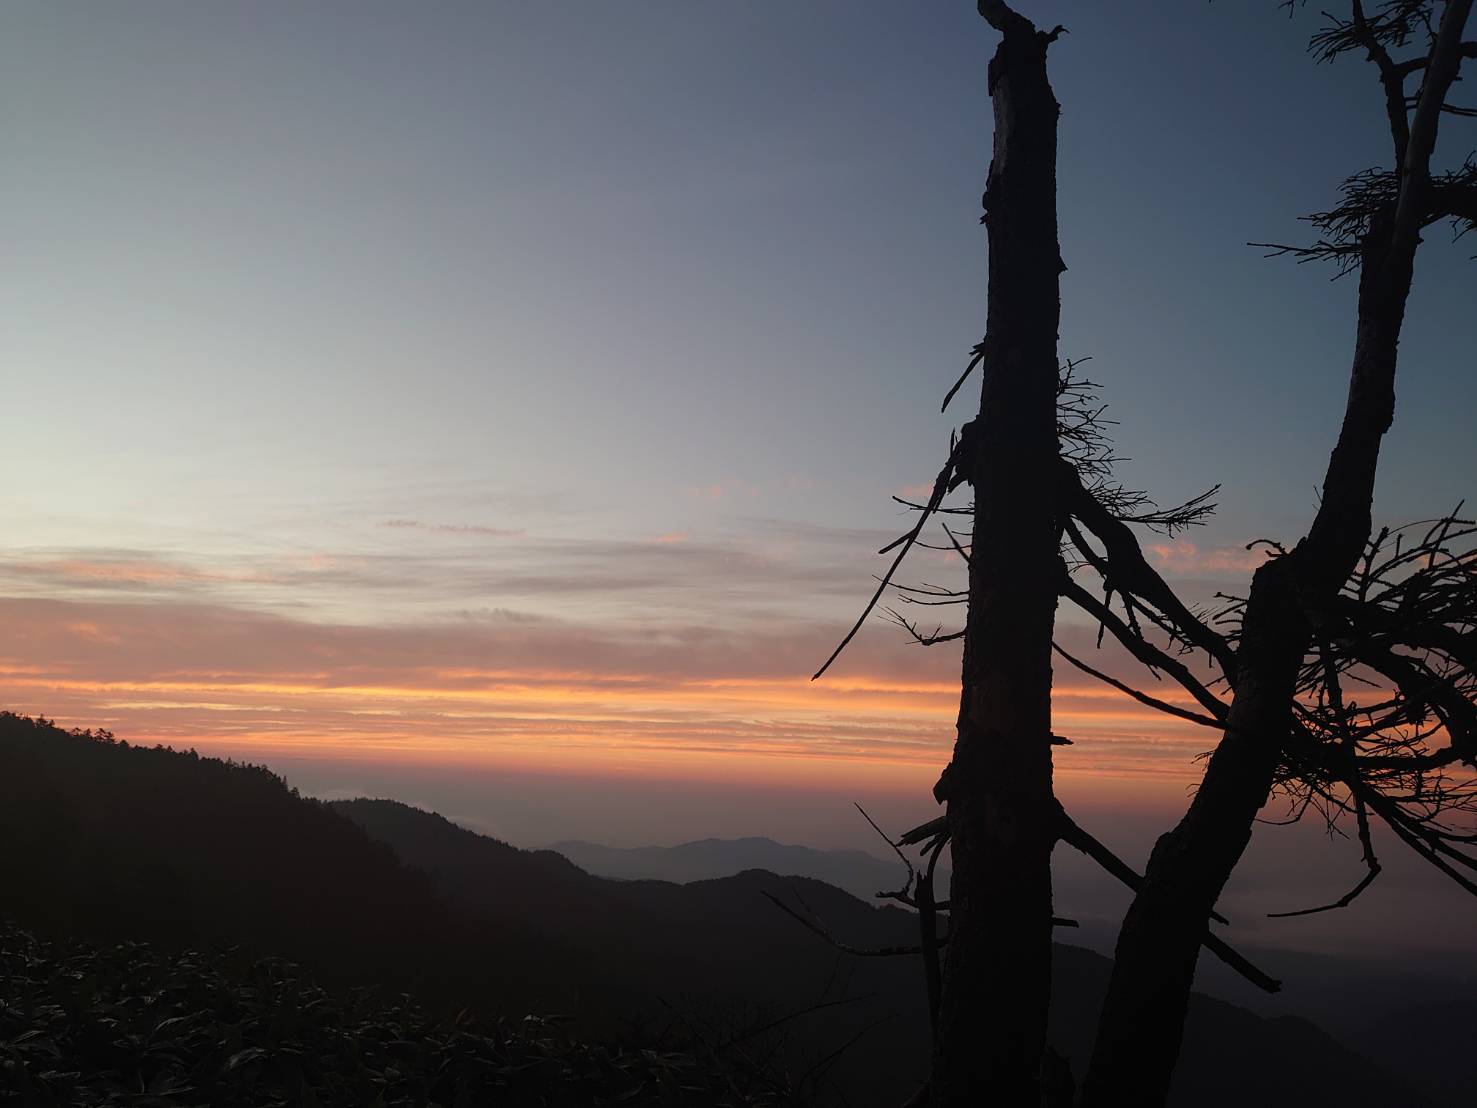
(720, 932)
(654, 946)
(660, 919)
(106, 839)
(856, 871)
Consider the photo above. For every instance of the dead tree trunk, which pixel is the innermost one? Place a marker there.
(1142, 1019)
(998, 786)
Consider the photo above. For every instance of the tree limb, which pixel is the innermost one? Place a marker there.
(1075, 836)
(940, 490)
(1441, 71)
(1132, 572)
(1141, 648)
(1142, 697)
(1004, 18)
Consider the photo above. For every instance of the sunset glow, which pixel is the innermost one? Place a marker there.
(101, 671)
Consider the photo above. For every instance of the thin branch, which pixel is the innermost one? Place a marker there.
(940, 490)
(1142, 697)
(1141, 648)
(1342, 902)
(925, 831)
(977, 356)
(818, 928)
(908, 884)
(1073, 835)
(918, 636)
(1441, 71)
(1132, 573)
(928, 936)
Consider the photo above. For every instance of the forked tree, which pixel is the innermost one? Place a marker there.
(1392, 614)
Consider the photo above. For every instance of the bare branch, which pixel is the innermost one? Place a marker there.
(1441, 71)
(814, 925)
(1145, 651)
(928, 934)
(1004, 18)
(1132, 573)
(902, 894)
(1342, 902)
(1142, 697)
(977, 355)
(918, 636)
(925, 831)
(1392, 79)
(1075, 836)
(940, 490)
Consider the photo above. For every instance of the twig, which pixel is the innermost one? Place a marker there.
(908, 884)
(940, 489)
(1142, 697)
(845, 948)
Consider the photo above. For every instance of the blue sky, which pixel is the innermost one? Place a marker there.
(272, 261)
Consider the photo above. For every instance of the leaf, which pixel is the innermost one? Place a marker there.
(243, 1057)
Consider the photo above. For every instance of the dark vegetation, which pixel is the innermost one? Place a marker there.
(107, 839)
(131, 1024)
(115, 842)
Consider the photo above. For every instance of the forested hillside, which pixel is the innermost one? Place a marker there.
(115, 841)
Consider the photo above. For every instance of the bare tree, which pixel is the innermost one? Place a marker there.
(1332, 601)
(1396, 611)
(1001, 824)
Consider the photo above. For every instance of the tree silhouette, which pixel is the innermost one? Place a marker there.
(1338, 602)
(1393, 612)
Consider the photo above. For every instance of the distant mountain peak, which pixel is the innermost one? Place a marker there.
(856, 871)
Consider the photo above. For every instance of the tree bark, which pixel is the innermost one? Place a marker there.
(992, 1018)
(1142, 1019)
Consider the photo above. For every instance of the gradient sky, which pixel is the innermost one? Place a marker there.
(409, 395)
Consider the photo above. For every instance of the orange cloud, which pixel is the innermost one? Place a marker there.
(86, 629)
(129, 572)
(537, 694)
(1182, 558)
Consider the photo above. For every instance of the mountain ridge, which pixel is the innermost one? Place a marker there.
(858, 872)
(154, 844)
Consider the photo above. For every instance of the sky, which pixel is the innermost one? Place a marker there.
(497, 405)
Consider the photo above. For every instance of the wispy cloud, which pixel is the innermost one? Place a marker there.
(658, 649)
(714, 491)
(672, 573)
(1182, 558)
(535, 692)
(452, 528)
(122, 571)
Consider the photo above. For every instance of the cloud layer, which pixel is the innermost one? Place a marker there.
(527, 691)
(456, 642)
